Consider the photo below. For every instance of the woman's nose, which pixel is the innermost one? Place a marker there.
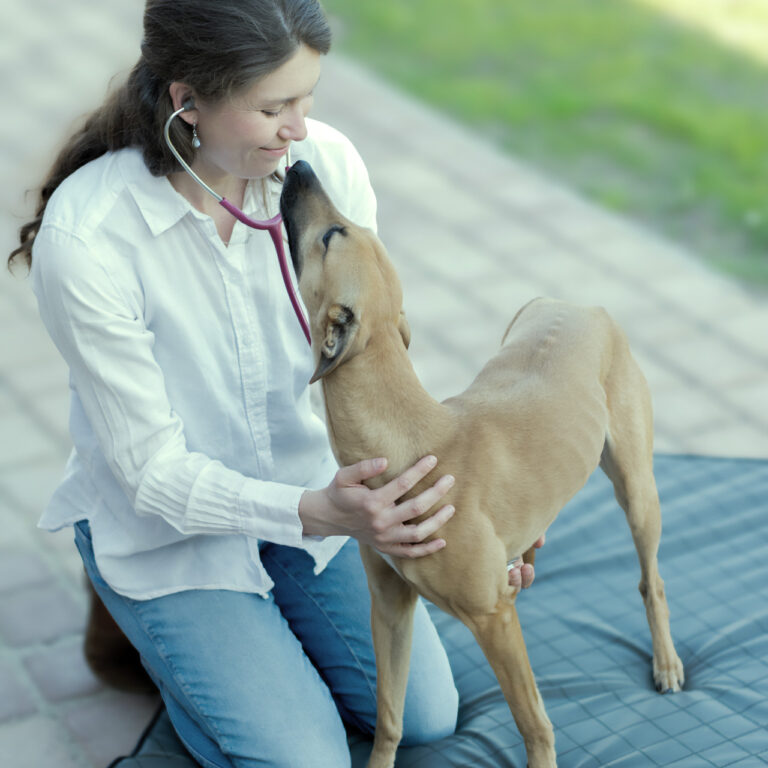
(294, 128)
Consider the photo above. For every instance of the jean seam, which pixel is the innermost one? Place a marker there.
(162, 652)
(180, 680)
(203, 761)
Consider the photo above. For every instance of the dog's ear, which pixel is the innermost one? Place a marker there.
(340, 328)
(405, 329)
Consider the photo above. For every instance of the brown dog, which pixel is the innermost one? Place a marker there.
(562, 396)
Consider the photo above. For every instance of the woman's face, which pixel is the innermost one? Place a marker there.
(248, 135)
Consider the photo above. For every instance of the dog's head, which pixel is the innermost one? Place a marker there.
(348, 284)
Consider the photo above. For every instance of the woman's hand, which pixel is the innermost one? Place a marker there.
(522, 575)
(347, 507)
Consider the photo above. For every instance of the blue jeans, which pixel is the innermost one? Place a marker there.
(253, 681)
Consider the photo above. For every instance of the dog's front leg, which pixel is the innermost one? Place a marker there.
(392, 604)
(501, 639)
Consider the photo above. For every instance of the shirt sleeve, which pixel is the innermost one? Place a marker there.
(109, 351)
(360, 194)
(342, 172)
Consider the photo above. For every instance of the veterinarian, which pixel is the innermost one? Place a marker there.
(208, 509)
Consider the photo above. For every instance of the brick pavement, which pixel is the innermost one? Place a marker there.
(473, 235)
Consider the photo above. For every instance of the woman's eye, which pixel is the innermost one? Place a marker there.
(271, 113)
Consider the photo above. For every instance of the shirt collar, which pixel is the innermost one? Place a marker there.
(162, 206)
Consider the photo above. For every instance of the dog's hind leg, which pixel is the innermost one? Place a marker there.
(501, 639)
(627, 459)
(393, 601)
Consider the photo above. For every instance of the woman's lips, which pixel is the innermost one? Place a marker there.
(279, 152)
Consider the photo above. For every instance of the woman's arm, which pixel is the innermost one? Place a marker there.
(109, 350)
(103, 337)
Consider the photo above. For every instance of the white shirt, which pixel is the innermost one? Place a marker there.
(193, 432)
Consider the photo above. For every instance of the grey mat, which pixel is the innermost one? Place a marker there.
(589, 645)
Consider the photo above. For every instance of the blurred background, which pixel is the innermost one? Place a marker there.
(602, 151)
(654, 108)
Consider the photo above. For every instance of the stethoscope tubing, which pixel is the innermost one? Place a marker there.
(273, 225)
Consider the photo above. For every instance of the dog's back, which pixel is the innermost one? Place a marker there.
(544, 391)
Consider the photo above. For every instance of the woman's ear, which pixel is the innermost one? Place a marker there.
(182, 95)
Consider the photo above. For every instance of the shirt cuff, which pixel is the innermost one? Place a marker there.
(270, 512)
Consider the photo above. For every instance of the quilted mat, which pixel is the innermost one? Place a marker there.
(589, 645)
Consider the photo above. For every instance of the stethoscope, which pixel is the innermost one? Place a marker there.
(271, 225)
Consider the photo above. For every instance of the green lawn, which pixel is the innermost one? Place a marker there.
(646, 116)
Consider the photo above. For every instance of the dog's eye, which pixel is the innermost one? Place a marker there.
(330, 233)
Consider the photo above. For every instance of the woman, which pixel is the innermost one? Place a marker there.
(210, 515)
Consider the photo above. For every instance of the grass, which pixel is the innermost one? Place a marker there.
(636, 109)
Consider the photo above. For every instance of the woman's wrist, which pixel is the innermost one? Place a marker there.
(311, 505)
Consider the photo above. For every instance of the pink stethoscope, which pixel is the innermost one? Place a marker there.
(273, 225)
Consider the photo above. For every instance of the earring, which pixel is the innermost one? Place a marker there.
(195, 139)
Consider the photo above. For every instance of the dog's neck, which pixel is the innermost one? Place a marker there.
(376, 406)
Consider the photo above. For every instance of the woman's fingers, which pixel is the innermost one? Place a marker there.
(414, 550)
(385, 523)
(403, 483)
(418, 505)
(354, 474)
(412, 542)
(414, 534)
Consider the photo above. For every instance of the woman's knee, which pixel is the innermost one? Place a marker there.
(434, 718)
(432, 701)
(248, 742)
(306, 748)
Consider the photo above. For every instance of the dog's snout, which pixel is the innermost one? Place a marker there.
(300, 178)
(302, 171)
(301, 202)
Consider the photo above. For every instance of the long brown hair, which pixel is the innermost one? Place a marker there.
(217, 47)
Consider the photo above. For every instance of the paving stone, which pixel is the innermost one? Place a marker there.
(31, 484)
(688, 411)
(48, 374)
(16, 700)
(15, 527)
(62, 673)
(523, 235)
(738, 441)
(52, 408)
(39, 614)
(61, 547)
(24, 344)
(714, 360)
(27, 440)
(108, 726)
(39, 742)
(749, 327)
(8, 403)
(22, 568)
(659, 376)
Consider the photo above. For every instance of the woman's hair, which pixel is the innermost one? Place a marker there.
(217, 47)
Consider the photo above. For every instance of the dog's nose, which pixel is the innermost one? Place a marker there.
(301, 173)
(299, 179)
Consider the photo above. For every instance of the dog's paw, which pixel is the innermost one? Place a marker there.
(669, 677)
